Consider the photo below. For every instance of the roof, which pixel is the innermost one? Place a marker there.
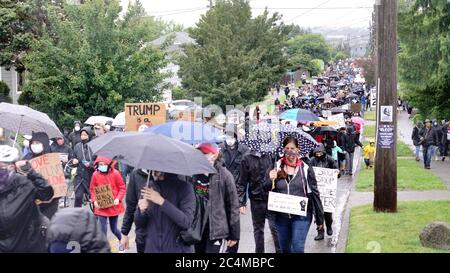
(181, 38)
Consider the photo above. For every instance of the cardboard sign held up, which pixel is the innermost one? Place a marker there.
(327, 185)
(104, 196)
(285, 203)
(139, 116)
(50, 167)
(356, 107)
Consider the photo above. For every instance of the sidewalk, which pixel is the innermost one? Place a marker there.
(438, 168)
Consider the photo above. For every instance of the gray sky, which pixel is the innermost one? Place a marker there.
(306, 13)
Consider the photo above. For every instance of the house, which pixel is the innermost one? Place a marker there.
(179, 39)
(14, 80)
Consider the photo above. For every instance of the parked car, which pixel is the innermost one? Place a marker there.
(177, 106)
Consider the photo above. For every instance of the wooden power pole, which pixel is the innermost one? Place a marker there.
(385, 188)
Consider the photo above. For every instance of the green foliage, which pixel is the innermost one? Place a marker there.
(236, 57)
(424, 59)
(304, 49)
(98, 62)
(410, 176)
(178, 93)
(394, 232)
(21, 23)
(4, 92)
(368, 67)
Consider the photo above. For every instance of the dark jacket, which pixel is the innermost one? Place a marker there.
(20, 219)
(83, 152)
(352, 139)
(429, 136)
(63, 149)
(325, 161)
(75, 138)
(48, 209)
(138, 180)
(42, 138)
(164, 223)
(254, 167)
(314, 202)
(223, 205)
(416, 136)
(78, 225)
(233, 163)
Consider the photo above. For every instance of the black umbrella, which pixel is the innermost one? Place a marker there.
(153, 152)
(325, 129)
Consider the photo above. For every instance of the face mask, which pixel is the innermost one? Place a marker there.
(290, 153)
(77, 128)
(107, 127)
(103, 168)
(37, 148)
(231, 141)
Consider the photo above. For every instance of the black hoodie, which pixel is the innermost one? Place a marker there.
(324, 161)
(42, 138)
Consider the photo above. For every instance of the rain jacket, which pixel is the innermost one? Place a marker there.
(233, 160)
(83, 152)
(164, 223)
(78, 225)
(112, 178)
(21, 223)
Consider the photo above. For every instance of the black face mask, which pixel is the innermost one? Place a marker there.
(85, 141)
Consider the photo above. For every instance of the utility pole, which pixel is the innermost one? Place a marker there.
(385, 186)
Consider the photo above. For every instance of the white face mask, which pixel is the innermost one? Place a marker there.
(77, 128)
(107, 127)
(230, 141)
(37, 148)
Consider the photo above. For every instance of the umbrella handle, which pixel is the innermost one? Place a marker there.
(17, 133)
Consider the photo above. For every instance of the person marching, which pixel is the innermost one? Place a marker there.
(322, 160)
(106, 175)
(294, 177)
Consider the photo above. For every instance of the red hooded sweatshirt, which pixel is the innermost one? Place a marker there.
(114, 179)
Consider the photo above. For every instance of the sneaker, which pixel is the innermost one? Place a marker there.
(121, 248)
(443, 158)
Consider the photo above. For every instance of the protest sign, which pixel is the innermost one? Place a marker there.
(327, 185)
(139, 116)
(290, 204)
(340, 120)
(50, 167)
(104, 196)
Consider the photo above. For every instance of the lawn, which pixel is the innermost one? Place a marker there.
(369, 131)
(372, 232)
(371, 115)
(410, 176)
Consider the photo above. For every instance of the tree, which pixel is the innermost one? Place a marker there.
(21, 23)
(424, 58)
(368, 67)
(235, 58)
(303, 49)
(4, 92)
(97, 63)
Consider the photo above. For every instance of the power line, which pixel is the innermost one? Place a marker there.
(325, 8)
(308, 11)
(174, 10)
(182, 12)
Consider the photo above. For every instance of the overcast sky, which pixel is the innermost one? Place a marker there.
(306, 13)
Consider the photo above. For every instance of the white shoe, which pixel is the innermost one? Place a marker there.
(121, 248)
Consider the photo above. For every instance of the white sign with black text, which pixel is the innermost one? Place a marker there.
(285, 203)
(387, 114)
(327, 185)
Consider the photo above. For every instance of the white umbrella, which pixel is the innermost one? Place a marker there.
(98, 119)
(24, 120)
(119, 121)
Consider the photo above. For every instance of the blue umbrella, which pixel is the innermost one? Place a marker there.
(188, 132)
(299, 115)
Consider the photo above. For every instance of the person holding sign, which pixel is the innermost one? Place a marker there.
(294, 177)
(40, 145)
(107, 191)
(21, 223)
(322, 160)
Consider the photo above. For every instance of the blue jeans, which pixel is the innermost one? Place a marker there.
(292, 232)
(417, 151)
(427, 153)
(112, 224)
